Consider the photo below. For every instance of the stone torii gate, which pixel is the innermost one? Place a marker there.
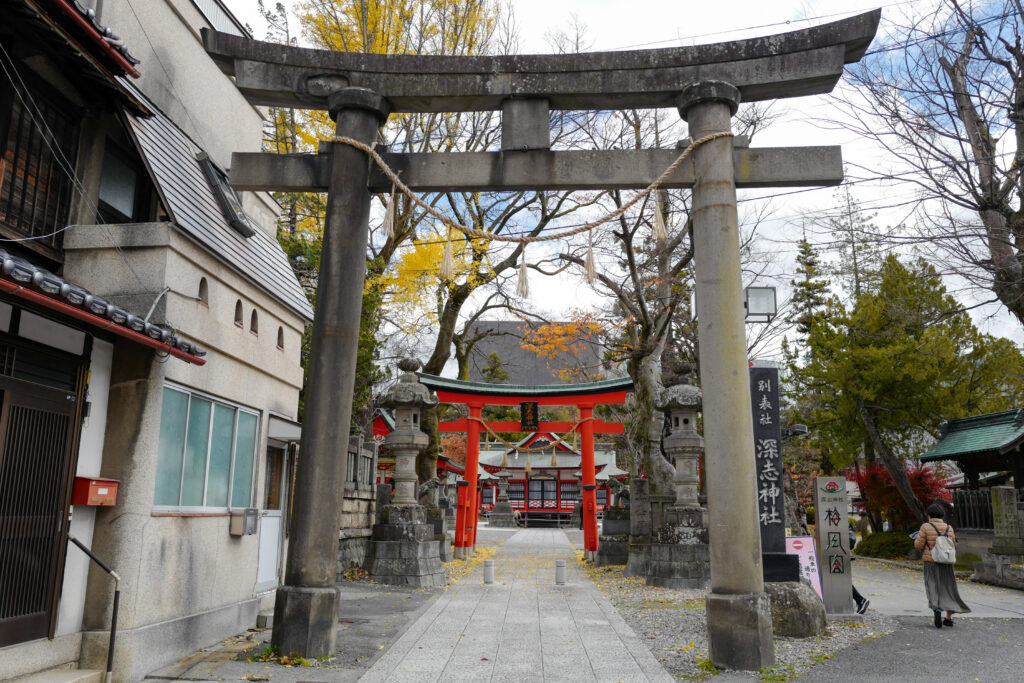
(705, 83)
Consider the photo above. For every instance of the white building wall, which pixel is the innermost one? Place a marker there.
(83, 517)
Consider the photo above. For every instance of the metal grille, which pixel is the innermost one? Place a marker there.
(570, 491)
(35, 190)
(33, 477)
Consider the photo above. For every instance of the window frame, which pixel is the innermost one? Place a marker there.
(211, 509)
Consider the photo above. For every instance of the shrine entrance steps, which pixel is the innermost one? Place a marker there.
(522, 627)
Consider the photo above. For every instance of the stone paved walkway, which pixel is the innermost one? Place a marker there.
(521, 627)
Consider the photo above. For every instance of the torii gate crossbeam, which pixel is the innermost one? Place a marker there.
(706, 84)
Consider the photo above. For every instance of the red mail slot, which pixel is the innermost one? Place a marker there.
(90, 491)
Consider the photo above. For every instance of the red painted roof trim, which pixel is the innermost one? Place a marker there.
(96, 321)
(91, 31)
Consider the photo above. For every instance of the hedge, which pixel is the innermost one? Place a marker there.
(886, 544)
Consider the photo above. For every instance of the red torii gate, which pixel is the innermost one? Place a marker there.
(478, 394)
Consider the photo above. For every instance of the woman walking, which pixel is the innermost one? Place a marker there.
(939, 579)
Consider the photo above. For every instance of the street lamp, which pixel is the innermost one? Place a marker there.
(794, 430)
(759, 303)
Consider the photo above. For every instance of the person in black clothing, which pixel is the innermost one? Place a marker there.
(862, 602)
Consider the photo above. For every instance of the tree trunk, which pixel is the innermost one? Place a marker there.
(892, 464)
(796, 515)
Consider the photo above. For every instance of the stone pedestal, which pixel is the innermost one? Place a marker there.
(639, 527)
(404, 551)
(304, 620)
(613, 544)
(502, 515)
(436, 517)
(740, 631)
(679, 556)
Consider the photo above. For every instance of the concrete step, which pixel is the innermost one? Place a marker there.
(64, 676)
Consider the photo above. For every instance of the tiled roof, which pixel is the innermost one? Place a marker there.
(25, 280)
(185, 190)
(460, 386)
(991, 434)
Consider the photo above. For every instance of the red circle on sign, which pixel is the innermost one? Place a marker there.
(797, 545)
(831, 486)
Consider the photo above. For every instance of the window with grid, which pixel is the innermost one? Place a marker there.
(516, 489)
(207, 453)
(570, 490)
(602, 496)
(37, 157)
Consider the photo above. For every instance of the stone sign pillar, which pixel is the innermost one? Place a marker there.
(403, 547)
(679, 548)
(306, 606)
(639, 526)
(501, 515)
(1008, 532)
(832, 527)
(738, 610)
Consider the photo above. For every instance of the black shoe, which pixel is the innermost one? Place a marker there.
(863, 606)
(938, 619)
(947, 622)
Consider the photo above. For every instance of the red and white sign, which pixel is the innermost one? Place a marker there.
(803, 546)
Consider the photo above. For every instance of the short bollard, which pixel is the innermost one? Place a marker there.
(488, 571)
(560, 572)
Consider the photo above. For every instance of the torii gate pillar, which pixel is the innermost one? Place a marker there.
(738, 610)
(306, 608)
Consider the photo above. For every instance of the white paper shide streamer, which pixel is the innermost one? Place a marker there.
(660, 231)
(389, 213)
(523, 286)
(447, 269)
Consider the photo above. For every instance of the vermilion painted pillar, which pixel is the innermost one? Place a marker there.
(460, 521)
(589, 481)
(472, 461)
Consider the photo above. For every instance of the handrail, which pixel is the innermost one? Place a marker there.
(107, 676)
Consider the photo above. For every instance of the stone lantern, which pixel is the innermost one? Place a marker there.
(406, 398)
(501, 515)
(681, 404)
(404, 550)
(679, 556)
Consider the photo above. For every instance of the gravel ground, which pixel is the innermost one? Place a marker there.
(671, 623)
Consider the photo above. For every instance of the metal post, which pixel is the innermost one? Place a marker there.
(560, 572)
(738, 610)
(306, 608)
(488, 571)
(589, 506)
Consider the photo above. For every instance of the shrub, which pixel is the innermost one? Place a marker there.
(880, 495)
(886, 544)
(810, 514)
(966, 561)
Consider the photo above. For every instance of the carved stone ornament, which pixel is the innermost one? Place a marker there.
(408, 391)
(679, 396)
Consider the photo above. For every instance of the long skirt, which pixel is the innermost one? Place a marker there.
(940, 587)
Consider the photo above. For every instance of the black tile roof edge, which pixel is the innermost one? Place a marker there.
(68, 293)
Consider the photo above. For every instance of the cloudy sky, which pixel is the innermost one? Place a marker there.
(636, 24)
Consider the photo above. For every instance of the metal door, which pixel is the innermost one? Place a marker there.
(272, 520)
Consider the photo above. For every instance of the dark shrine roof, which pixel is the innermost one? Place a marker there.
(483, 388)
(188, 197)
(994, 434)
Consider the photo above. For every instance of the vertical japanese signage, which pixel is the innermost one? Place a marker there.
(803, 547)
(764, 399)
(832, 528)
(529, 416)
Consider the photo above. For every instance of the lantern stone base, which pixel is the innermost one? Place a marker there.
(502, 516)
(679, 556)
(740, 631)
(404, 550)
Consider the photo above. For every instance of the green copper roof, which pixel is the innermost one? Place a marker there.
(463, 387)
(992, 434)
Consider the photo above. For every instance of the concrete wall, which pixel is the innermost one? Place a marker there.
(180, 78)
(186, 582)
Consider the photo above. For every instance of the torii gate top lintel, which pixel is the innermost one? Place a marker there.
(792, 64)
